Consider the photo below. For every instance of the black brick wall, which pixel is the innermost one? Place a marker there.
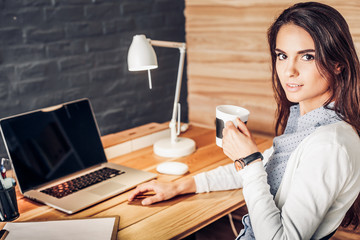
(54, 51)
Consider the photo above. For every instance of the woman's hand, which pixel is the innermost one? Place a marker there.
(237, 142)
(163, 190)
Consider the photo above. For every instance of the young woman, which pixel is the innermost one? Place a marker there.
(305, 184)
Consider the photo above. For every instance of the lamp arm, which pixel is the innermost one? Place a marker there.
(176, 108)
(167, 44)
(172, 124)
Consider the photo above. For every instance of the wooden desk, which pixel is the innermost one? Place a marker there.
(172, 219)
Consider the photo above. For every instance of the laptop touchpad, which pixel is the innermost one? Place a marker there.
(106, 188)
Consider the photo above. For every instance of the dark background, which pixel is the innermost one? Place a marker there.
(55, 51)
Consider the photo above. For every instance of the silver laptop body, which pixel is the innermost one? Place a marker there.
(53, 145)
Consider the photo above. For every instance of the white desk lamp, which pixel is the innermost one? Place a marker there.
(141, 57)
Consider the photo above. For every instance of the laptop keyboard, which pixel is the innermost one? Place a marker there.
(74, 185)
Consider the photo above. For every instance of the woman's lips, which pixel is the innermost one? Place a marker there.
(293, 87)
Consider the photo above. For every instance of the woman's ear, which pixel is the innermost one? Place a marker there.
(338, 68)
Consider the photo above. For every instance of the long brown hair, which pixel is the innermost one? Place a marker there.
(336, 60)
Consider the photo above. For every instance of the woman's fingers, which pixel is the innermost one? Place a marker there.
(229, 124)
(153, 199)
(162, 191)
(237, 141)
(140, 189)
(242, 127)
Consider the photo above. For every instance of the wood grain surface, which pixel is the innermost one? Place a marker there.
(228, 58)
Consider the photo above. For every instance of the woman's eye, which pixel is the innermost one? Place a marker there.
(308, 57)
(281, 56)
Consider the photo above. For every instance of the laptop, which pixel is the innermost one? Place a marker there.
(59, 160)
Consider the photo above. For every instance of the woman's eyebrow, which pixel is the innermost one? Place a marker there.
(299, 52)
(306, 51)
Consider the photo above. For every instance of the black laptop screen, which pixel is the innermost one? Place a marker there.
(47, 145)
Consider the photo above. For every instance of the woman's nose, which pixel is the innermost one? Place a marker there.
(291, 69)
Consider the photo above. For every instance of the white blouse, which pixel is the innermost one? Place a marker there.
(320, 183)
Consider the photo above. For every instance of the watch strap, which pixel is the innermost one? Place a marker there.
(242, 162)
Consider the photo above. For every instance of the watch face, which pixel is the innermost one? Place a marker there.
(239, 164)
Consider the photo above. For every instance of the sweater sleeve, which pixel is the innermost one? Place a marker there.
(312, 190)
(222, 178)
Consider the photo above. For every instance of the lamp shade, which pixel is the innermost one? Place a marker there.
(141, 55)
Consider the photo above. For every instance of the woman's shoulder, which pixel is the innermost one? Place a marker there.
(336, 145)
(337, 130)
(339, 134)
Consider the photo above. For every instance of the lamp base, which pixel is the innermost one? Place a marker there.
(183, 147)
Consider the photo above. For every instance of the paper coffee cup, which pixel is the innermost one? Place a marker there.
(225, 113)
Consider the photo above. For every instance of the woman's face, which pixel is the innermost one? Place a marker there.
(297, 70)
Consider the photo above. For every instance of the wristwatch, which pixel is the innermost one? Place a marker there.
(242, 162)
